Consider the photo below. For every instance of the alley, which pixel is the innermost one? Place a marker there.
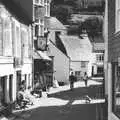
(64, 104)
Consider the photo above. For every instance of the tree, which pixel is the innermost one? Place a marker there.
(61, 12)
(92, 25)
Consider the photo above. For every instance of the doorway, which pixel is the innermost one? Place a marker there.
(18, 78)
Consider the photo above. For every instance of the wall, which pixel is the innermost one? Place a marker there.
(76, 66)
(61, 63)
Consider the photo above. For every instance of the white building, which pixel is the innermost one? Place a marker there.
(80, 53)
(61, 61)
(15, 49)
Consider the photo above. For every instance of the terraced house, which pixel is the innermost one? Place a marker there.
(15, 51)
(23, 42)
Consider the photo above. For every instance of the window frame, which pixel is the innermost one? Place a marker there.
(40, 25)
(47, 8)
(83, 64)
(39, 3)
(1, 35)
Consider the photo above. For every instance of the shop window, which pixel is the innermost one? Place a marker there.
(116, 89)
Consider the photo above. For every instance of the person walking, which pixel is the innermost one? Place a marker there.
(72, 80)
(85, 78)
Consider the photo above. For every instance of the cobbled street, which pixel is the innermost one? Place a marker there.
(64, 104)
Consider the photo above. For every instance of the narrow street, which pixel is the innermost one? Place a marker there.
(64, 104)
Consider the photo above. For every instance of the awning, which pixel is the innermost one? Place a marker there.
(41, 55)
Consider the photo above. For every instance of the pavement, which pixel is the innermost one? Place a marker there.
(55, 101)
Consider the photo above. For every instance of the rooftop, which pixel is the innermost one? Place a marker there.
(77, 49)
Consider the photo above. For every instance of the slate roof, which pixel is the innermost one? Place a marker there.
(77, 49)
(54, 23)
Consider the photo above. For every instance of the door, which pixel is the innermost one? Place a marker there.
(18, 78)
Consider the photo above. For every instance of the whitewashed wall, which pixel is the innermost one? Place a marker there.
(61, 63)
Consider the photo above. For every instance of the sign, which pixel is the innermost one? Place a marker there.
(41, 43)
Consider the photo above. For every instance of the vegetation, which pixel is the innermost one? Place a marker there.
(63, 9)
(92, 25)
(62, 12)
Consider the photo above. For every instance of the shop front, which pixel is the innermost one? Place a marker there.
(6, 87)
(43, 70)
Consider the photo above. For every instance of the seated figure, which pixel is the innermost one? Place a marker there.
(21, 100)
(28, 95)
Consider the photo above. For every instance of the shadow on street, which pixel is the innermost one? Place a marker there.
(93, 91)
(69, 111)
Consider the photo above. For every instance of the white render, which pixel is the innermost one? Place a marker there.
(79, 50)
(61, 63)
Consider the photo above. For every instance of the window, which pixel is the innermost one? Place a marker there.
(83, 64)
(39, 12)
(2, 90)
(30, 43)
(39, 28)
(18, 42)
(100, 70)
(38, 2)
(1, 38)
(85, 3)
(24, 37)
(116, 89)
(47, 8)
(99, 57)
(7, 37)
